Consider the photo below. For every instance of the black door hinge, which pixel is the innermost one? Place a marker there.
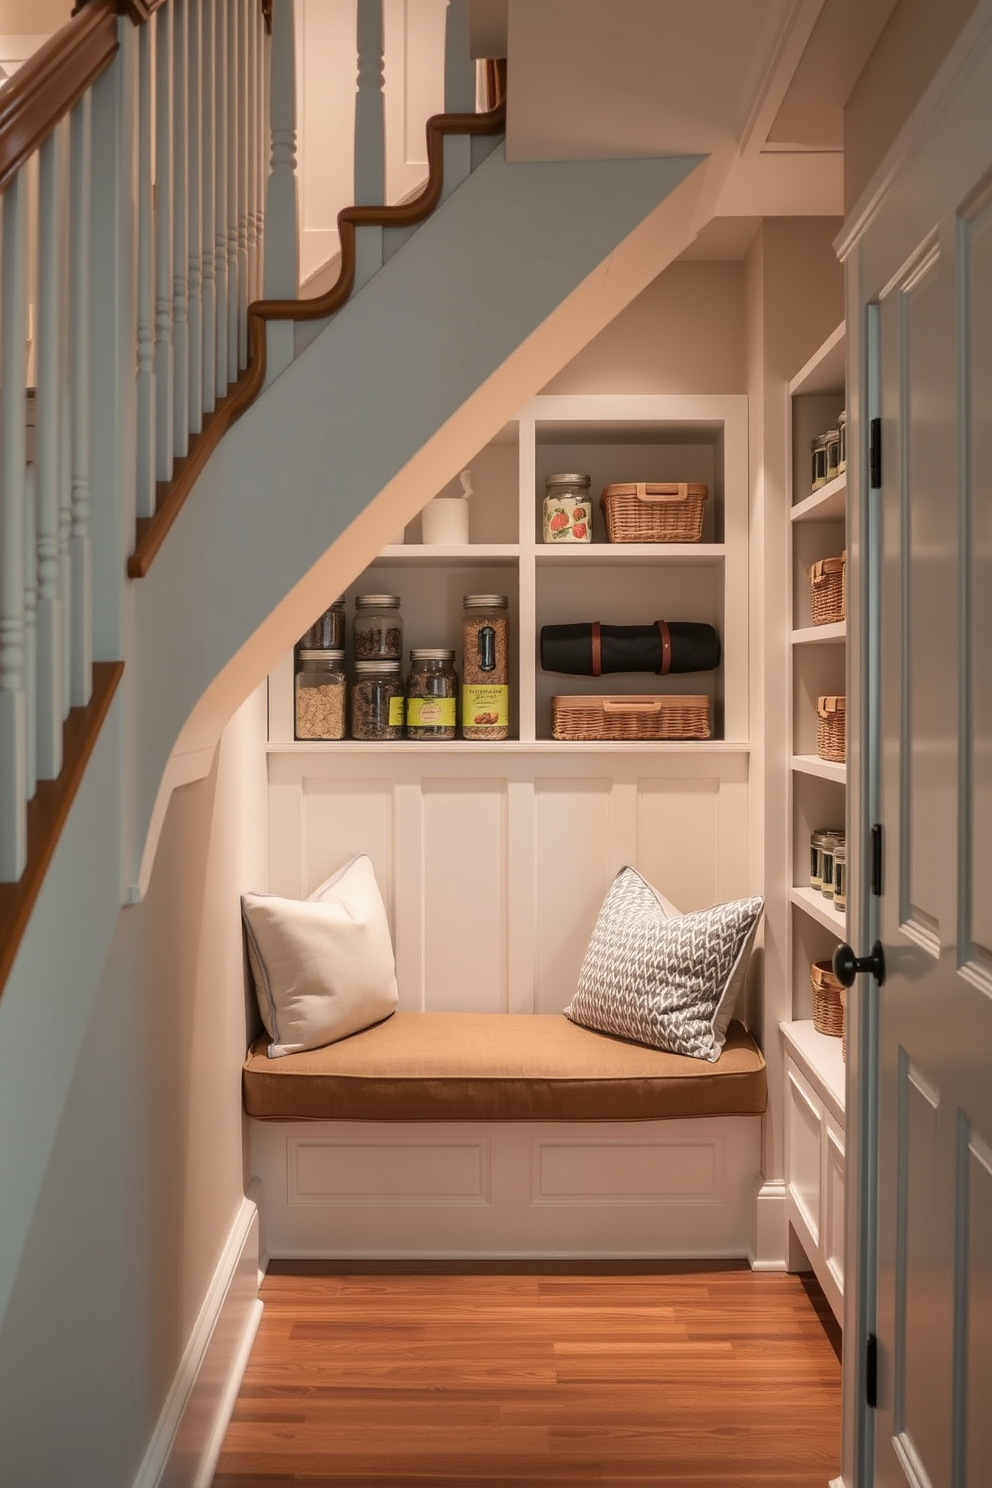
(871, 1372)
(876, 860)
(875, 454)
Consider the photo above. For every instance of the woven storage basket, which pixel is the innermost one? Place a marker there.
(630, 717)
(828, 590)
(654, 511)
(843, 1036)
(831, 729)
(828, 1008)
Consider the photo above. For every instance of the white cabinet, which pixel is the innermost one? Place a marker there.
(814, 1099)
(494, 857)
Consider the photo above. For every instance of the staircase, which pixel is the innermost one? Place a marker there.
(207, 473)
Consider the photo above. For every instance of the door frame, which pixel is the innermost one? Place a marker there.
(865, 248)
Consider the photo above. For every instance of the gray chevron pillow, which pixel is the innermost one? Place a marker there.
(668, 982)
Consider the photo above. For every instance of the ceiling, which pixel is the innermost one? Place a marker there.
(759, 86)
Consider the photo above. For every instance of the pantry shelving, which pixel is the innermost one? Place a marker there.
(814, 1094)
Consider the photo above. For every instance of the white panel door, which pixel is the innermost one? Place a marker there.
(934, 1425)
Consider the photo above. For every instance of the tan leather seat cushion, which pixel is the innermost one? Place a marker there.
(499, 1067)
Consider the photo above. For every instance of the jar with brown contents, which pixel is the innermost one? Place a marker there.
(377, 702)
(378, 629)
(485, 667)
(321, 691)
(431, 694)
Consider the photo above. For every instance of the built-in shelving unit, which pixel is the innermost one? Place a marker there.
(814, 1115)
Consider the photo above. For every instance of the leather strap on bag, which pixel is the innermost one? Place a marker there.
(597, 649)
(666, 648)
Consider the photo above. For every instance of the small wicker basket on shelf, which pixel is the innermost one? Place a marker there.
(654, 511)
(843, 1036)
(630, 717)
(828, 1006)
(828, 590)
(831, 729)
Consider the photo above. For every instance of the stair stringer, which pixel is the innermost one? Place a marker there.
(510, 278)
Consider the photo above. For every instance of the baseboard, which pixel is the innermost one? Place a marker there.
(184, 1449)
(770, 1232)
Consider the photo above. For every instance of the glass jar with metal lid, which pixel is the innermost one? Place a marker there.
(840, 875)
(567, 509)
(821, 841)
(431, 694)
(842, 434)
(485, 667)
(327, 631)
(377, 702)
(378, 628)
(832, 437)
(828, 852)
(818, 462)
(321, 694)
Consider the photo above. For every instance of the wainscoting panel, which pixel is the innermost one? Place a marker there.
(573, 820)
(629, 1172)
(442, 1171)
(464, 895)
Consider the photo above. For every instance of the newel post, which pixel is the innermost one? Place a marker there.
(370, 136)
(282, 241)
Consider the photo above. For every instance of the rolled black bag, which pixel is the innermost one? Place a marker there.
(592, 649)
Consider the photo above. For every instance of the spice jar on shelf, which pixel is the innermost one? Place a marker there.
(840, 876)
(832, 438)
(327, 631)
(431, 694)
(818, 462)
(377, 702)
(842, 436)
(567, 509)
(321, 693)
(378, 628)
(485, 667)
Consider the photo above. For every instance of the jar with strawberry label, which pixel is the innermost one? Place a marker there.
(567, 509)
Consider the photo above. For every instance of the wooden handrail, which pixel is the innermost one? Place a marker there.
(171, 495)
(52, 81)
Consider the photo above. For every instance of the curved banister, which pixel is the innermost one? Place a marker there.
(171, 495)
(52, 81)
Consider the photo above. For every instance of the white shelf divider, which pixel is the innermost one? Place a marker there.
(464, 555)
(616, 555)
(812, 764)
(825, 505)
(820, 908)
(470, 747)
(819, 635)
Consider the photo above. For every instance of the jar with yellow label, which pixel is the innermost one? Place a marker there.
(431, 694)
(485, 662)
(377, 702)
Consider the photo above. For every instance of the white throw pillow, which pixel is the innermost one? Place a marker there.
(323, 966)
(671, 982)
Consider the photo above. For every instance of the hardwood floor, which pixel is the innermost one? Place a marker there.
(689, 1375)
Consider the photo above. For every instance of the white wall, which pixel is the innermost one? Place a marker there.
(147, 1172)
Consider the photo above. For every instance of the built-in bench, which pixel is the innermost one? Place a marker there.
(456, 1134)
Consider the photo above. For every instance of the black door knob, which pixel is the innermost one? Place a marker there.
(847, 965)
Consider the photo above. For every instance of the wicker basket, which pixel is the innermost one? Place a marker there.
(828, 1006)
(630, 717)
(828, 590)
(831, 729)
(654, 511)
(843, 1036)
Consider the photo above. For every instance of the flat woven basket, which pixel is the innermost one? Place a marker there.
(630, 717)
(828, 590)
(828, 1007)
(831, 729)
(654, 511)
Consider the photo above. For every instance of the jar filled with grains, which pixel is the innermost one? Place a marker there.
(378, 628)
(327, 631)
(321, 692)
(485, 660)
(377, 702)
(431, 694)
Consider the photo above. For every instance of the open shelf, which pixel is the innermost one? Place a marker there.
(819, 908)
(436, 555)
(618, 555)
(820, 1053)
(819, 635)
(469, 747)
(812, 764)
(828, 504)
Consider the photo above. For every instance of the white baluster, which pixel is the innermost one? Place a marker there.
(282, 246)
(145, 473)
(31, 630)
(180, 247)
(233, 180)
(220, 194)
(241, 135)
(208, 149)
(53, 575)
(194, 87)
(76, 415)
(164, 423)
(370, 137)
(13, 707)
(263, 58)
(252, 125)
(459, 94)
